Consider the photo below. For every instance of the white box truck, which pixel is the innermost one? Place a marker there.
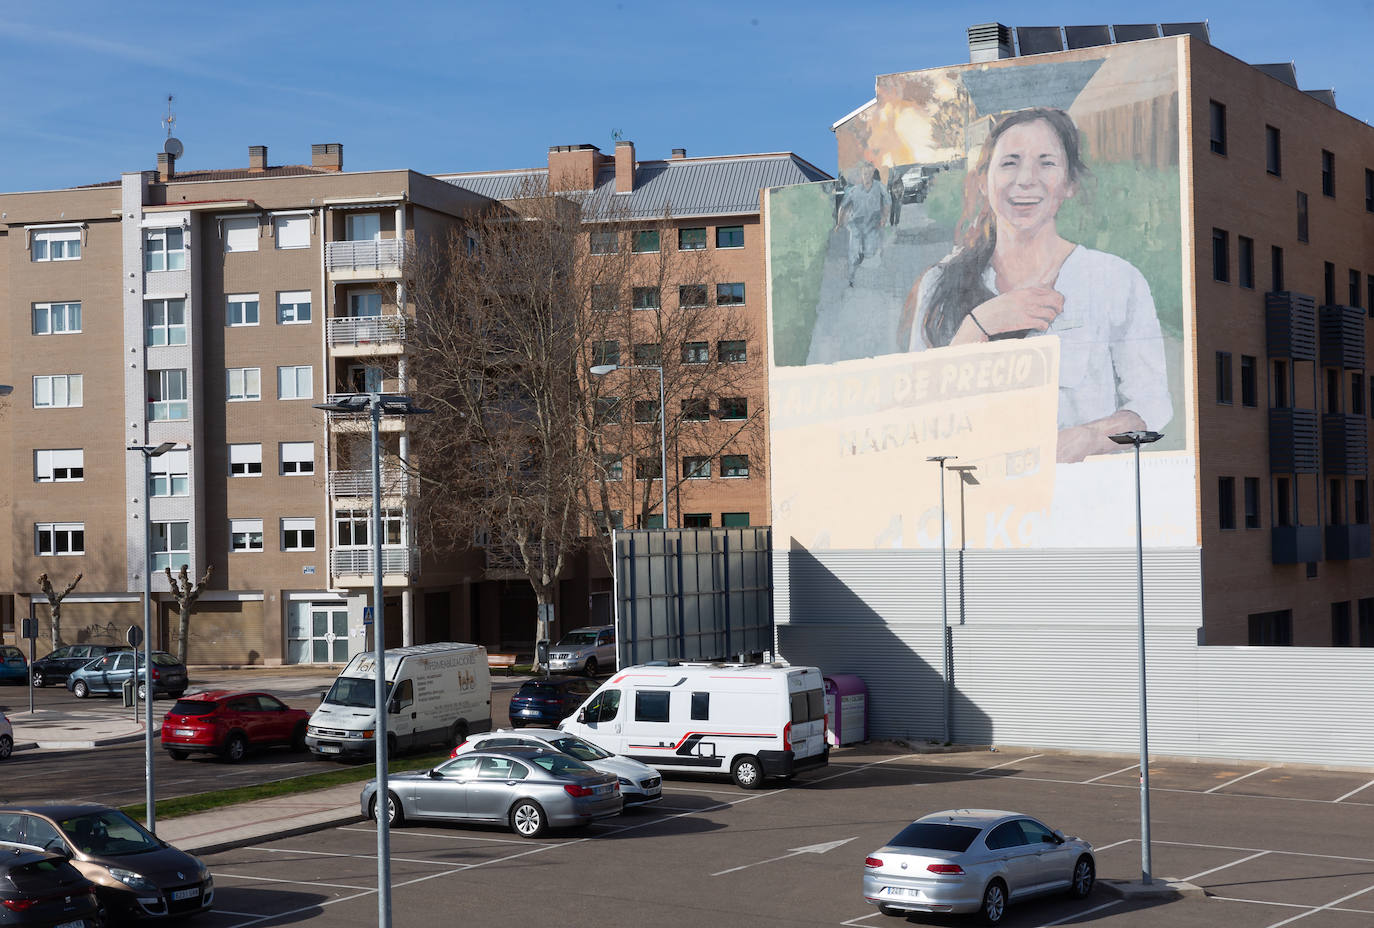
(751, 721)
(436, 693)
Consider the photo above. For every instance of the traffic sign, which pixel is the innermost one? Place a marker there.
(367, 615)
(134, 636)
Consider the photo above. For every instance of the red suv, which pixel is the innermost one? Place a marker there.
(229, 724)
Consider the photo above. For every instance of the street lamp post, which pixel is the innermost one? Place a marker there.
(966, 479)
(149, 452)
(944, 591)
(375, 404)
(601, 370)
(1138, 438)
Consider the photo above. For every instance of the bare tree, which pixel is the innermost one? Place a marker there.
(55, 603)
(186, 593)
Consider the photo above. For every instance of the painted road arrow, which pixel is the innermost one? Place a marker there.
(809, 849)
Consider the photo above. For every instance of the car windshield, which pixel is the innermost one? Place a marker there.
(582, 750)
(163, 659)
(354, 692)
(108, 833)
(576, 640)
(531, 688)
(936, 836)
(193, 707)
(561, 764)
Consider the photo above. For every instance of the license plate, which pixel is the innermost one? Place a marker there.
(329, 748)
(902, 891)
(602, 790)
(181, 894)
(184, 732)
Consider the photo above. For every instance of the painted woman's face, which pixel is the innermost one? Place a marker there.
(1028, 177)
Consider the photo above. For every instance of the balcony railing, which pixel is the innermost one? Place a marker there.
(357, 562)
(366, 330)
(395, 482)
(364, 256)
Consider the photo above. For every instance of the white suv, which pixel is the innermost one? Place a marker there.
(587, 650)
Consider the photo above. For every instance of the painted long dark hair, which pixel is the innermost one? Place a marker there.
(960, 288)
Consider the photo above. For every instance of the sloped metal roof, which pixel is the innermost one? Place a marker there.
(682, 187)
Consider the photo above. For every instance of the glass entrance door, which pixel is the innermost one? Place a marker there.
(318, 634)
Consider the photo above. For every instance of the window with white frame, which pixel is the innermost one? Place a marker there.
(294, 382)
(166, 322)
(696, 468)
(353, 528)
(292, 231)
(297, 457)
(56, 244)
(734, 465)
(364, 305)
(240, 233)
(245, 384)
(171, 544)
(56, 318)
(293, 307)
(59, 465)
(164, 250)
(59, 539)
(167, 395)
(298, 534)
(245, 535)
(245, 460)
(241, 309)
(55, 391)
(169, 474)
(363, 227)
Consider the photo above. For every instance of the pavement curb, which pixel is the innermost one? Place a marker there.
(324, 822)
(1158, 889)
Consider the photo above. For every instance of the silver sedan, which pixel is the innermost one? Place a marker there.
(975, 860)
(528, 789)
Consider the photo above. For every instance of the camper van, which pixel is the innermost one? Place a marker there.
(751, 721)
(436, 693)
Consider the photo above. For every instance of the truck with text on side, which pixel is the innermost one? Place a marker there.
(750, 721)
(435, 694)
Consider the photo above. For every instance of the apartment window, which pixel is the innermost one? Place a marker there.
(1353, 283)
(169, 474)
(1245, 262)
(606, 522)
(292, 231)
(55, 391)
(645, 298)
(1369, 292)
(298, 534)
(1333, 390)
(732, 352)
(59, 539)
(1224, 378)
(1328, 283)
(1368, 190)
(608, 410)
(1218, 111)
(731, 294)
(696, 468)
(56, 244)
(729, 236)
(171, 544)
(167, 395)
(245, 460)
(691, 295)
(363, 378)
(695, 353)
(1276, 268)
(1340, 625)
(646, 410)
(696, 409)
(1279, 388)
(734, 407)
(166, 322)
(1226, 502)
(1333, 503)
(297, 458)
(293, 307)
(696, 520)
(56, 318)
(605, 243)
(644, 241)
(1248, 382)
(364, 305)
(164, 250)
(1302, 216)
(240, 233)
(245, 384)
(604, 298)
(1283, 501)
(241, 309)
(734, 519)
(1273, 151)
(1221, 255)
(607, 352)
(353, 527)
(648, 353)
(1271, 628)
(1359, 490)
(648, 468)
(363, 227)
(613, 466)
(1252, 502)
(59, 465)
(1328, 174)
(691, 239)
(734, 465)
(1366, 619)
(245, 535)
(1357, 394)
(294, 382)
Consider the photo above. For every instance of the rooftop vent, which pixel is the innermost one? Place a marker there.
(257, 157)
(989, 42)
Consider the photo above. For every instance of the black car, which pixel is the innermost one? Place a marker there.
(43, 889)
(547, 702)
(53, 669)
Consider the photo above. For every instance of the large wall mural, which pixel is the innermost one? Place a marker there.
(996, 275)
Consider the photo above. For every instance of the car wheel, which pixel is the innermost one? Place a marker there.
(747, 772)
(6, 746)
(298, 739)
(591, 667)
(80, 690)
(391, 748)
(37, 678)
(179, 755)
(1084, 876)
(235, 748)
(394, 816)
(143, 692)
(527, 819)
(458, 733)
(994, 903)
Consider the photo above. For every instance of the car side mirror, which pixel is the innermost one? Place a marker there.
(582, 716)
(434, 774)
(324, 696)
(1059, 836)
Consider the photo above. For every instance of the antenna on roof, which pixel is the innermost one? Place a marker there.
(173, 145)
(617, 135)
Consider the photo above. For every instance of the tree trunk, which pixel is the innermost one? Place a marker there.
(183, 628)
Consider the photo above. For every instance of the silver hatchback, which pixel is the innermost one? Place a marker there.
(584, 650)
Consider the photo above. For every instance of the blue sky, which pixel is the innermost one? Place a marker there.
(467, 86)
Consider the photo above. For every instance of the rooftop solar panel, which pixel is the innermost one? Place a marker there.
(1037, 40)
(1196, 30)
(1087, 36)
(1283, 71)
(1136, 32)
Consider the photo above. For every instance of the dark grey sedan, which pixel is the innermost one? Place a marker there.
(105, 676)
(55, 667)
(528, 789)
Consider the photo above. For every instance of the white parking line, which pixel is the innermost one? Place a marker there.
(1077, 915)
(430, 834)
(1243, 776)
(1353, 792)
(1234, 863)
(1290, 905)
(1099, 848)
(1112, 774)
(1019, 760)
(270, 879)
(1270, 850)
(1322, 908)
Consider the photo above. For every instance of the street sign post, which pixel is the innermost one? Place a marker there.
(31, 633)
(135, 638)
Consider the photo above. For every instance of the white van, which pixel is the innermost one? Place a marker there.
(437, 693)
(751, 721)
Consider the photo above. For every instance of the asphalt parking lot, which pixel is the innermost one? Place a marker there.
(1269, 846)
